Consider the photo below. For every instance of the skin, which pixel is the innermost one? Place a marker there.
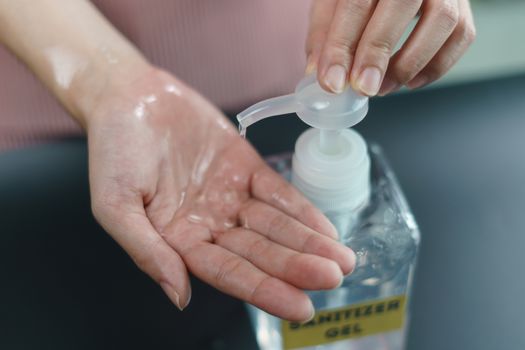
(353, 42)
(171, 180)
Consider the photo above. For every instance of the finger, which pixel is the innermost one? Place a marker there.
(304, 271)
(348, 23)
(463, 36)
(382, 33)
(273, 189)
(321, 14)
(236, 276)
(132, 230)
(438, 20)
(284, 230)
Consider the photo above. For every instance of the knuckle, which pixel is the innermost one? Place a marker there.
(412, 5)
(252, 298)
(257, 248)
(277, 224)
(440, 67)
(381, 47)
(226, 269)
(359, 6)
(406, 71)
(448, 13)
(437, 69)
(414, 66)
(469, 33)
(310, 241)
(341, 46)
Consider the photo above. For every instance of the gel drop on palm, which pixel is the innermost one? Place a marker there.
(355, 188)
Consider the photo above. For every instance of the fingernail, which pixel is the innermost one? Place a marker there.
(353, 258)
(187, 301)
(312, 314)
(369, 81)
(341, 282)
(388, 86)
(172, 294)
(418, 82)
(335, 78)
(310, 65)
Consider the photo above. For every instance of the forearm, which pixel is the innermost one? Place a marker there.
(70, 46)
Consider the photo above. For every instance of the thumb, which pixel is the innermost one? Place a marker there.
(131, 228)
(346, 27)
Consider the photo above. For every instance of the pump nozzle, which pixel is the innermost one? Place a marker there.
(315, 106)
(267, 108)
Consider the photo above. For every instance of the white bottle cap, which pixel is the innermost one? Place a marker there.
(334, 181)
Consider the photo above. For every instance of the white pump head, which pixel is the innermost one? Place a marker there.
(315, 107)
(331, 165)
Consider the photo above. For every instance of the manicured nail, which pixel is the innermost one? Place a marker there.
(172, 294)
(369, 81)
(418, 82)
(388, 86)
(335, 78)
(310, 65)
(187, 301)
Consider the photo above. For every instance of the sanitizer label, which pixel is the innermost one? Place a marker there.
(352, 321)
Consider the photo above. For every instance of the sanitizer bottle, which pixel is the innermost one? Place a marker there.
(355, 188)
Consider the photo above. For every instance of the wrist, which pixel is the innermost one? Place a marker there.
(106, 72)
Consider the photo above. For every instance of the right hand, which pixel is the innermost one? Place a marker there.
(176, 186)
(353, 41)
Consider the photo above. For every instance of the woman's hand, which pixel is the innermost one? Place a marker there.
(354, 40)
(178, 188)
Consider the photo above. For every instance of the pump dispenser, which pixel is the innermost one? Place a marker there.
(355, 188)
(331, 166)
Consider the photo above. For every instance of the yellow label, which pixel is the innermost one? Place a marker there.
(352, 321)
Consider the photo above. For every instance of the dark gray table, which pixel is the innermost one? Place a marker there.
(458, 153)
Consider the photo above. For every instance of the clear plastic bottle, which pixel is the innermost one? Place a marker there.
(385, 238)
(355, 188)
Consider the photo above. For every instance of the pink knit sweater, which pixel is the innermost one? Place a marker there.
(234, 52)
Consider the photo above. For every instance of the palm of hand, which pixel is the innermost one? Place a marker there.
(179, 190)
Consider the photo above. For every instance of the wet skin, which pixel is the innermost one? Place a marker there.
(180, 190)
